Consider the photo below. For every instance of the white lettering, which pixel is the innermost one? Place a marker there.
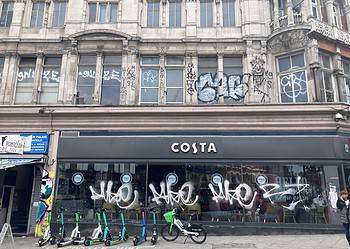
(185, 147)
(211, 148)
(194, 147)
(174, 147)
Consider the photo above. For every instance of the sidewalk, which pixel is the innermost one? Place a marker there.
(220, 242)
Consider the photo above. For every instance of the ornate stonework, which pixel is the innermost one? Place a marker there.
(288, 40)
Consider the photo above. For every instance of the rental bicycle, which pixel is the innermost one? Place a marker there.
(174, 226)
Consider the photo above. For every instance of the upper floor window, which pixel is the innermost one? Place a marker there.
(208, 83)
(233, 86)
(2, 62)
(228, 13)
(111, 80)
(149, 80)
(336, 15)
(206, 13)
(175, 13)
(174, 84)
(86, 79)
(153, 14)
(314, 8)
(6, 14)
(25, 80)
(345, 87)
(103, 12)
(38, 9)
(50, 79)
(282, 7)
(325, 78)
(59, 13)
(292, 78)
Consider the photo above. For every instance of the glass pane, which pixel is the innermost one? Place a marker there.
(59, 14)
(207, 65)
(174, 95)
(110, 95)
(2, 60)
(24, 97)
(37, 15)
(51, 75)
(174, 78)
(284, 64)
(228, 13)
(175, 14)
(112, 59)
(87, 60)
(28, 61)
(346, 66)
(56, 61)
(206, 13)
(174, 60)
(112, 75)
(86, 75)
(300, 88)
(153, 14)
(92, 12)
(103, 13)
(326, 61)
(150, 78)
(150, 60)
(286, 88)
(25, 75)
(48, 95)
(298, 60)
(6, 14)
(114, 12)
(149, 95)
(85, 94)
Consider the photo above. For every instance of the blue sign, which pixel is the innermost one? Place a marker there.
(39, 144)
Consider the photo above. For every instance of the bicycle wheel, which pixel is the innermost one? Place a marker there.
(169, 236)
(202, 234)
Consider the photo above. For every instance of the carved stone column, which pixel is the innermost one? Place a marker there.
(162, 86)
(313, 58)
(330, 13)
(132, 77)
(63, 77)
(70, 92)
(17, 17)
(191, 18)
(290, 13)
(11, 78)
(4, 80)
(347, 15)
(124, 89)
(37, 77)
(98, 79)
(191, 77)
(338, 73)
(220, 75)
(275, 14)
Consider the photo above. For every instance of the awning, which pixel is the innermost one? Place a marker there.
(10, 163)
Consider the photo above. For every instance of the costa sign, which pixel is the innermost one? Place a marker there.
(193, 148)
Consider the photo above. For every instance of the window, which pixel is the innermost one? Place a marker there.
(50, 80)
(336, 15)
(111, 80)
(292, 78)
(25, 80)
(104, 12)
(208, 83)
(228, 13)
(149, 80)
(314, 9)
(59, 14)
(2, 61)
(86, 79)
(175, 13)
(233, 86)
(36, 20)
(325, 78)
(206, 13)
(282, 7)
(6, 14)
(153, 14)
(174, 80)
(346, 92)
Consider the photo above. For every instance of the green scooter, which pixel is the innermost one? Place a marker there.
(48, 237)
(99, 235)
(75, 237)
(123, 234)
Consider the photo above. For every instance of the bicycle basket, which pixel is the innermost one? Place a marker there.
(169, 216)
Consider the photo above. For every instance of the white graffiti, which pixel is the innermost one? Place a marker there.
(150, 76)
(51, 76)
(243, 194)
(124, 195)
(183, 196)
(273, 189)
(107, 75)
(293, 85)
(23, 75)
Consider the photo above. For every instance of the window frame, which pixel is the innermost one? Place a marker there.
(86, 85)
(177, 4)
(2, 3)
(36, 26)
(108, 17)
(346, 80)
(102, 76)
(175, 67)
(290, 72)
(314, 6)
(27, 86)
(207, 3)
(228, 24)
(53, 13)
(336, 15)
(322, 71)
(149, 67)
(47, 85)
(148, 22)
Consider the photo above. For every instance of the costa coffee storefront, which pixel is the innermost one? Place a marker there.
(281, 182)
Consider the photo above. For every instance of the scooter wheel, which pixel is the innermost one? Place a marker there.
(135, 241)
(153, 240)
(40, 242)
(107, 242)
(87, 242)
(126, 237)
(52, 240)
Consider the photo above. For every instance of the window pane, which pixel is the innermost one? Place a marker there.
(298, 60)
(86, 75)
(149, 95)
(51, 70)
(110, 94)
(59, 14)
(326, 87)
(112, 59)
(103, 13)
(300, 89)
(6, 14)
(25, 81)
(26, 75)
(150, 60)
(37, 15)
(325, 61)
(207, 65)
(92, 12)
(175, 14)
(174, 78)
(85, 94)
(233, 65)
(284, 64)
(206, 13)
(150, 78)
(111, 75)
(174, 95)
(87, 60)
(228, 9)
(346, 66)
(48, 95)
(153, 14)
(2, 60)
(174, 60)
(114, 12)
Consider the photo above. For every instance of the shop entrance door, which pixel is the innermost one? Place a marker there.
(6, 207)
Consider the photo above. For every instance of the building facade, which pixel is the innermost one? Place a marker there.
(236, 109)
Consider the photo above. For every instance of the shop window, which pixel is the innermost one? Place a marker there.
(208, 83)
(59, 14)
(314, 8)
(292, 78)
(6, 14)
(86, 79)
(2, 62)
(149, 80)
(325, 78)
(206, 13)
(175, 13)
(228, 10)
(50, 80)
(174, 80)
(38, 10)
(346, 67)
(153, 14)
(25, 80)
(233, 86)
(111, 80)
(103, 12)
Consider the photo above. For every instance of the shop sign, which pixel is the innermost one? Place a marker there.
(34, 143)
(78, 178)
(261, 179)
(9, 163)
(171, 179)
(194, 148)
(126, 178)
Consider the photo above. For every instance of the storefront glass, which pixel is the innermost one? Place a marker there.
(215, 192)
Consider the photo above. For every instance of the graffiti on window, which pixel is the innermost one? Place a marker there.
(125, 197)
(293, 85)
(26, 74)
(107, 74)
(51, 76)
(150, 77)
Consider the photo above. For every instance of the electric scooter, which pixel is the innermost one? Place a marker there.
(75, 237)
(123, 234)
(143, 235)
(61, 229)
(48, 237)
(99, 235)
(154, 238)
